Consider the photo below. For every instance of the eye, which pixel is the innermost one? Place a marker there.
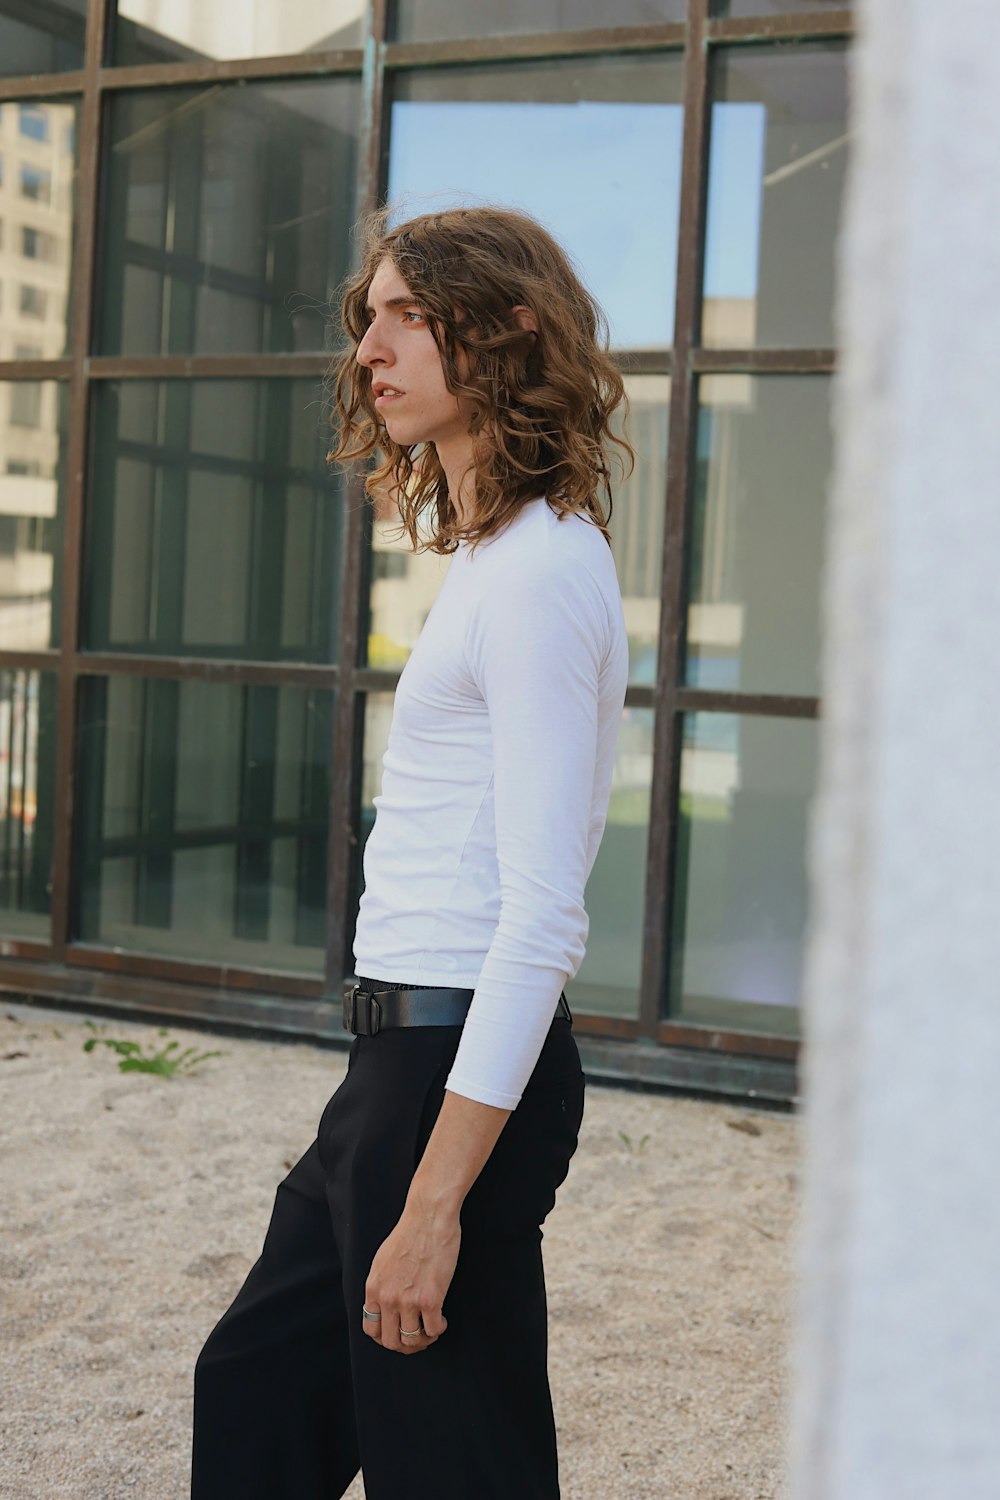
(417, 315)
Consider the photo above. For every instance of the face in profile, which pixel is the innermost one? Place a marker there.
(407, 376)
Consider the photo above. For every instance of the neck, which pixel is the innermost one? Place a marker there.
(455, 459)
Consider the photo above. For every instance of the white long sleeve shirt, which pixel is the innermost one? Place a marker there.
(495, 787)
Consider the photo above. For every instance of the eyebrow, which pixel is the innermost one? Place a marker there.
(394, 302)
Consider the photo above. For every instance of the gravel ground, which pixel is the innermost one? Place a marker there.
(133, 1206)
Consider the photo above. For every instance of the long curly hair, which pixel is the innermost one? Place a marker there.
(540, 408)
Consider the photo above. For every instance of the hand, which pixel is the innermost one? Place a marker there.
(409, 1277)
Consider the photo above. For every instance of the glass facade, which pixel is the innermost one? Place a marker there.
(201, 625)
(159, 31)
(37, 38)
(204, 818)
(775, 182)
(440, 20)
(215, 528)
(27, 763)
(228, 218)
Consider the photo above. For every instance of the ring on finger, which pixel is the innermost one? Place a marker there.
(410, 1333)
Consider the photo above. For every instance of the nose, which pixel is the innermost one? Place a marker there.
(371, 350)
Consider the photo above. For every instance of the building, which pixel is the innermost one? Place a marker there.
(201, 626)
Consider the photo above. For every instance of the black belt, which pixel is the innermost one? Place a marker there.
(369, 1011)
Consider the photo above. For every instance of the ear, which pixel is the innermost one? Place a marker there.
(525, 318)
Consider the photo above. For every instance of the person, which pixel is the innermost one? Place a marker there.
(396, 1317)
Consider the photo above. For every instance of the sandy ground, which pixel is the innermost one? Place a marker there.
(133, 1206)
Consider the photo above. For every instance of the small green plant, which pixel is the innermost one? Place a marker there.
(628, 1141)
(132, 1059)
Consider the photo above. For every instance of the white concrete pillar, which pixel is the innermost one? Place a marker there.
(897, 1358)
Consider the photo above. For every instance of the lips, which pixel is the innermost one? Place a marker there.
(385, 395)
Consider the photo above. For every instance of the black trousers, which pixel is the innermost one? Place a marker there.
(291, 1397)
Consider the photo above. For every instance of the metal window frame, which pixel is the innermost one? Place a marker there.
(67, 970)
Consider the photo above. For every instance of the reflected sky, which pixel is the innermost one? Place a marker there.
(605, 178)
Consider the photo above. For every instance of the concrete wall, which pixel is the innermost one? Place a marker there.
(897, 1362)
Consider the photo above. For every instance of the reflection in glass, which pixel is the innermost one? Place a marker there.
(764, 451)
(590, 145)
(33, 424)
(607, 982)
(777, 160)
(150, 31)
(203, 820)
(214, 522)
(637, 521)
(377, 723)
(37, 202)
(41, 38)
(435, 20)
(404, 584)
(228, 217)
(741, 893)
(27, 769)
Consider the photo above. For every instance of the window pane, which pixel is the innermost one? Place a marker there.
(777, 160)
(591, 146)
(637, 521)
(433, 20)
(773, 7)
(378, 719)
(38, 38)
(33, 425)
(37, 205)
(607, 982)
(214, 524)
(203, 820)
(229, 212)
(150, 31)
(741, 893)
(27, 769)
(608, 979)
(764, 451)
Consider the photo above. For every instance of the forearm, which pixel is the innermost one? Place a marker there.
(460, 1144)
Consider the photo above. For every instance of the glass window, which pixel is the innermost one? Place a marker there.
(203, 816)
(34, 122)
(434, 20)
(777, 161)
(33, 425)
(591, 146)
(607, 982)
(37, 38)
(763, 457)
(741, 890)
(40, 169)
(151, 31)
(773, 7)
(229, 216)
(27, 769)
(37, 244)
(32, 301)
(637, 521)
(214, 523)
(36, 183)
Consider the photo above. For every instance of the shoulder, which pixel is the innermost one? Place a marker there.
(545, 545)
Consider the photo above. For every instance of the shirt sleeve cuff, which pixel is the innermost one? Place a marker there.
(479, 1094)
